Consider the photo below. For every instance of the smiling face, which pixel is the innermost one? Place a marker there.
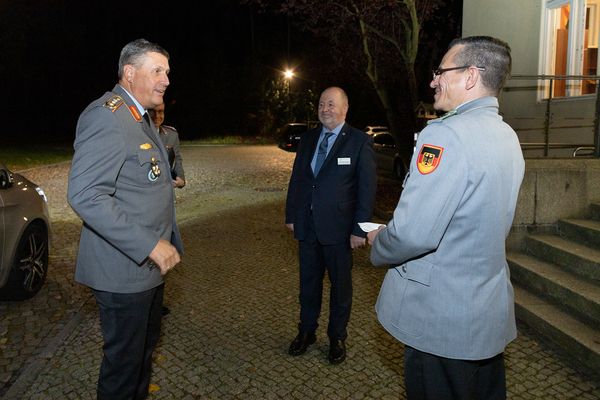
(148, 80)
(158, 115)
(449, 86)
(333, 106)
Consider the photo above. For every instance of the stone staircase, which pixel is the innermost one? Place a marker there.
(557, 287)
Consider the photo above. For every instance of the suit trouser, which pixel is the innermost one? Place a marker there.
(131, 329)
(430, 377)
(315, 258)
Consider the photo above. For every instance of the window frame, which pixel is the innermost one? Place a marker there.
(575, 45)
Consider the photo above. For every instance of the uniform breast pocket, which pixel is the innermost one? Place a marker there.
(144, 168)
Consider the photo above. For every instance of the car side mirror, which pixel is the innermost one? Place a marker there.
(5, 179)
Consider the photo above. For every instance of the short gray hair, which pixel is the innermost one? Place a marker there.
(486, 52)
(134, 51)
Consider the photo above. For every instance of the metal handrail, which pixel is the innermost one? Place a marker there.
(552, 78)
(588, 148)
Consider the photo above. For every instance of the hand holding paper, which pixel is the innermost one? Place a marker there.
(369, 226)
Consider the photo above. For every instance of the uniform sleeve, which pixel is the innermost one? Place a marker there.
(427, 203)
(178, 159)
(367, 185)
(98, 159)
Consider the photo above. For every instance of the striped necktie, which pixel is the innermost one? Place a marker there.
(322, 152)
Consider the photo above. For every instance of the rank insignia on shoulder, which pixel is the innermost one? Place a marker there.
(145, 146)
(114, 103)
(429, 158)
(443, 117)
(135, 113)
(449, 114)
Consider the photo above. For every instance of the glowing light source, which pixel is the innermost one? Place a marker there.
(288, 73)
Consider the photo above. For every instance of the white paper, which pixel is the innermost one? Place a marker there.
(343, 160)
(369, 226)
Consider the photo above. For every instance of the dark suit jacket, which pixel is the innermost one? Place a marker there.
(341, 195)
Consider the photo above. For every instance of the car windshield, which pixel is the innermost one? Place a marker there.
(297, 129)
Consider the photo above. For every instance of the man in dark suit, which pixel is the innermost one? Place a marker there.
(331, 190)
(121, 188)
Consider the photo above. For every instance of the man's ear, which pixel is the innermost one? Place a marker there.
(473, 77)
(128, 72)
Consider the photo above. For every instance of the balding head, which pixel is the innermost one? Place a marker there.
(333, 107)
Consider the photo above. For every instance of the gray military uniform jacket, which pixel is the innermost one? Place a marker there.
(113, 186)
(170, 139)
(449, 292)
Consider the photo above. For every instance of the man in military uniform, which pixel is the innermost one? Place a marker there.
(448, 297)
(121, 188)
(170, 139)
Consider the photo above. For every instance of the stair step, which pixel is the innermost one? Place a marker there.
(550, 281)
(576, 257)
(595, 209)
(581, 230)
(576, 338)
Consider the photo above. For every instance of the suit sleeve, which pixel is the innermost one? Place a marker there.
(367, 185)
(99, 156)
(290, 203)
(427, 204)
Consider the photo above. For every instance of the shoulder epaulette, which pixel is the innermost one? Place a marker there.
(443, 117)
(169, 127)
(114, 103)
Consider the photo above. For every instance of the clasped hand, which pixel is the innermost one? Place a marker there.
(165, 256)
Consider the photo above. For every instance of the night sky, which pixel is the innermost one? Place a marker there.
(56, 56)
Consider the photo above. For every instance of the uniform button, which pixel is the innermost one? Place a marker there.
(404, 268)
(314, 186)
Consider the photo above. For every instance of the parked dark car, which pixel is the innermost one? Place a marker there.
(289, 134)
(389, 157)
(24, 236)
(371, 129)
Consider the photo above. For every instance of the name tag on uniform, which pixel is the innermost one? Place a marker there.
(343, 160)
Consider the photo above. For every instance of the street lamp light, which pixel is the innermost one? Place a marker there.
(288, 74)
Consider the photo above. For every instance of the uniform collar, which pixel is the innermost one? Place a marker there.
(487, 101)
(481, 102)
(141, 109)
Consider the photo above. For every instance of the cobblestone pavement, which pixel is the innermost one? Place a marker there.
(233, 304)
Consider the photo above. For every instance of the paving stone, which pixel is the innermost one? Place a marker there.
(234, 306)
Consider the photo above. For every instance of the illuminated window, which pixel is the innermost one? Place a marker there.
(570, 37)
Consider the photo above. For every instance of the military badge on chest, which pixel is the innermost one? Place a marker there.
(154, 172)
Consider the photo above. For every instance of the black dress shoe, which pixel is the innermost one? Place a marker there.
(337, 351)
(165, 311)
(301, 343)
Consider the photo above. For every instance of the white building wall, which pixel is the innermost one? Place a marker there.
(519, 23)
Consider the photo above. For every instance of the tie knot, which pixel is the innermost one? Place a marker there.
(325, 142)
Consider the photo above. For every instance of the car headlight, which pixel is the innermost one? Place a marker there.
(40, 191)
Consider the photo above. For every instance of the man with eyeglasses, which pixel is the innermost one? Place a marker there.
(448, 297)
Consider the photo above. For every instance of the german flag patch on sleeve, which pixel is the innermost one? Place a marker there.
(429, 158)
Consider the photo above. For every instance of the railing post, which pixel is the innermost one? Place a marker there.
(597, 123)
(547, 121)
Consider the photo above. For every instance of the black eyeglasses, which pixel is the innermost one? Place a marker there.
(440, 71)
